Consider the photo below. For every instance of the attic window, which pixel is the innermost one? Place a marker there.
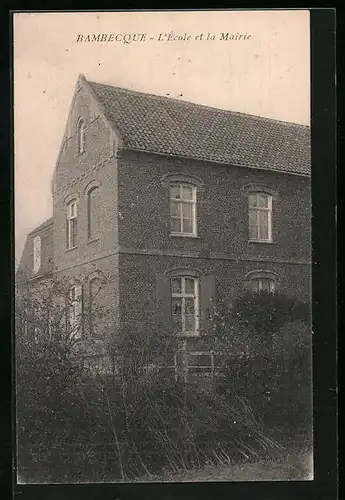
(37, 254)
(81, 135)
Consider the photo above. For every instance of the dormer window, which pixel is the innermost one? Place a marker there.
(81, 136)
(37, 253)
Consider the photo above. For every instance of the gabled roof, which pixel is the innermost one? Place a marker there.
(25, 269)
(170, 126)
(44, 224)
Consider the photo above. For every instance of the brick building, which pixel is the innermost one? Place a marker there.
(177, 204)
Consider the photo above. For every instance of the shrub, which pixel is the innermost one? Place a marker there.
(265, 313)
(74, 428)
(277, 381)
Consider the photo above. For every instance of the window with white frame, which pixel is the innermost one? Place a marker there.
(75, 311)
(71, 224)
(81, 136)
(263, 284)
(37, 253)
(185, 304)
(183, 209)
(260, 217)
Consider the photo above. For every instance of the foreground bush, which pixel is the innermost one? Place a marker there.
(107, 430)
(277, 380)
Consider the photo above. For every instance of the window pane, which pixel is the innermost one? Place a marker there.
(187, 210)
(187, 193)
(189, 307)
(262, 284)
(93, 213)
(253, 200)
(263, 235)
(175, 191)
(176, 285)
(74, 231)
(93, 299)
(265, 284)
(176, 306)
(188, 226)
(37, 253)
(175, 225)
(189, 286)
(190, 323)
(73, 210)
(263, 200)
(253, 229)
(263, 218)
(175, 209)
(69, 234)
(254, 233)
(94, 287)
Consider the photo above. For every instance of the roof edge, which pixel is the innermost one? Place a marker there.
(43, 225)
(88, 85)
(218, 162)
(191, 103)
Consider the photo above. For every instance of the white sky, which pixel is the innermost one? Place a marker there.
(267, 75)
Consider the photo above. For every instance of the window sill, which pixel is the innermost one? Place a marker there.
(92, 240)
(185, 335)
(184, 235)
(261, 241)
(70, 249)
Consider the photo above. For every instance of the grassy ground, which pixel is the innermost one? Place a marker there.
(286, 467)
(294, 463)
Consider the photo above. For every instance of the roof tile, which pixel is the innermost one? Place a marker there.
(170, 126)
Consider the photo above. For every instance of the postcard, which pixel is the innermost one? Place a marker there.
(163, 246)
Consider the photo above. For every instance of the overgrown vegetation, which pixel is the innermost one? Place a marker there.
(142, 422)
(267, 341)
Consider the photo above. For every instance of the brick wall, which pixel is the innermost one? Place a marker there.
(134, 245)
(75, 174)
(222, 208)
(222, 248)
(138, 287)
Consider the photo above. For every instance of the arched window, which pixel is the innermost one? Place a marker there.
(71, 224)
(37, 253)
(75, 310)
(183, 209)
(95, 287)
(93, 206)
(185, 304)
(262, 281)
(81, 136)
